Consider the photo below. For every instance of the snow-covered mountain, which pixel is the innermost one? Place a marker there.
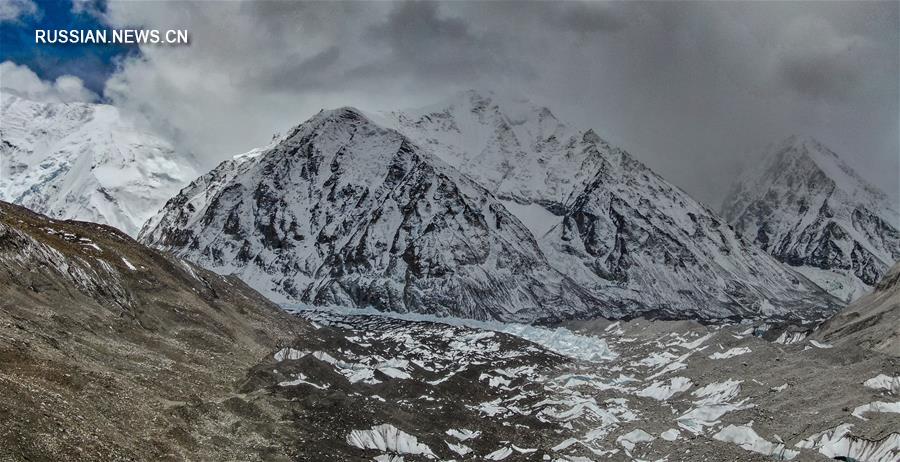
(519, 151)
(603, 218)
(343, 211)
(85, 161)
(809, 209)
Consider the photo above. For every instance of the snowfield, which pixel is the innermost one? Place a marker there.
(86, 162)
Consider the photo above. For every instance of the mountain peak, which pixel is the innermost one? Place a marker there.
(802, 152)
(511, 104)
(343, 113)
(474, 95)
(349, 213)
(327, 120)
(800, 140)
(806, 207)
(807, 145)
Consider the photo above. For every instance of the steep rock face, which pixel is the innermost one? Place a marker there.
(809, 209)
(342, 211)
(606, 220)
(85, 161)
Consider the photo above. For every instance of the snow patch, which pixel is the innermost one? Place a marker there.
(662, 391)
(128, 264)
(746, 438)
(460, 449)
(289, 354)
(823, 346)
(877, 406)
(463, 434)
(884, 382)
(634, 437)
(838, 442)
(671, 434)
(388, 438)
(500, 454)
(730, 353)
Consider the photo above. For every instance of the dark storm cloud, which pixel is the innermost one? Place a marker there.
(820, 76)
(300, 72)
(819, 62)
(691, 88)
(424, 43)
(586, 17)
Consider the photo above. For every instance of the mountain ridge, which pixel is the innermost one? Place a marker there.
(367, 219)
(600, 170)
(587, 267)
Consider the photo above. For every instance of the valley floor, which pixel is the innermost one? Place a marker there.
(404, 386)
(356, 385)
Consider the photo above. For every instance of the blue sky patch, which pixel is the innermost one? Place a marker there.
(93, 63)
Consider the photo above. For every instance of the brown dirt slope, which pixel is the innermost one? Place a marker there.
(871, 322)
(108, 348)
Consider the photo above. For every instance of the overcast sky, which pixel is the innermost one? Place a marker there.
(691, 89)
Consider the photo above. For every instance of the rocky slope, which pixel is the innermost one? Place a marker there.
(342, 211)
(85, 161)
(809, 209)
(872, 321)
(99, 334)
(606, 220)
(110, 350)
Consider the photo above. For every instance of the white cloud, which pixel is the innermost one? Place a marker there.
(24, 82)
(13, 10)
(252, 69)
(91, 7)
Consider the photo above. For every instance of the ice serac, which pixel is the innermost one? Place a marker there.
(606, 220)
(343, 211)
(809, 209)
(85, 161)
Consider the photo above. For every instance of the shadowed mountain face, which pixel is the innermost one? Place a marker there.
(809, 209)
(530, 221)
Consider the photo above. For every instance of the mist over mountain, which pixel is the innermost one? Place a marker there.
(805, 206)
(85, 161)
